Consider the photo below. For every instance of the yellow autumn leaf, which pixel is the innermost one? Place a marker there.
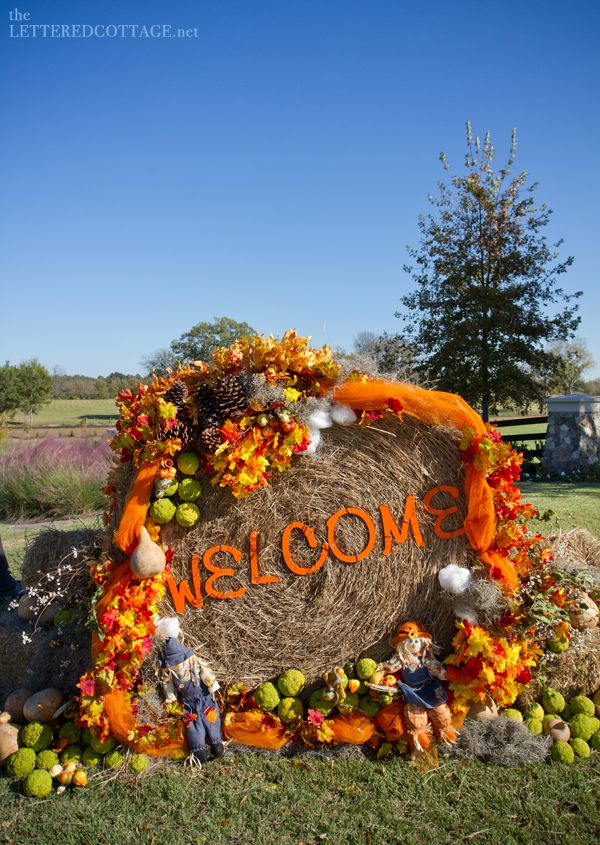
(291, 394)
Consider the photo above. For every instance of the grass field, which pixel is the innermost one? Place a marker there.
(266, 800)
(71, 412)
(575, 505)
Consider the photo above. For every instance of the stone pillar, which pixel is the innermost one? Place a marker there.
(573, 437)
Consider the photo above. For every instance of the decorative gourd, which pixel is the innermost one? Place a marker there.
(9, 735)
(559, 731)
(15, 702)
(42, 705)
(586, 615)
(148, 559)
(483, 710)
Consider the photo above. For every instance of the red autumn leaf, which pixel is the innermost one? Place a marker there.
(87, 686)
(395, 405)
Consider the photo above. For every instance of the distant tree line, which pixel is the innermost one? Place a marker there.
(27, 386)
(87, 387)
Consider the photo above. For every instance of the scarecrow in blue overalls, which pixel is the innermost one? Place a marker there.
(186, 676)
(418, 683)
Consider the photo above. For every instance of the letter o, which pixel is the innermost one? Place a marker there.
(335, 549)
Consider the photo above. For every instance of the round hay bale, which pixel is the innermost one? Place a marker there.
(578, 546)
(314, 621)
(51, 546)
(35, 656)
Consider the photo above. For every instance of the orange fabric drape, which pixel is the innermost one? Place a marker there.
(136, 508)
(435, 408)
(122, 723)
(248, 728)
(391, 721)
(353, 728)
(501, 569)
(430, 406)
(480, 523)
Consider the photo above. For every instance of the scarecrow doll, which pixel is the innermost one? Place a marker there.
(186, 676)
(419, 677)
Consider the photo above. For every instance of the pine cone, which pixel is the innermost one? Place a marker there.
(209, 439)
(177, 393)
(205, 402)
(231, 396)
(185, 433)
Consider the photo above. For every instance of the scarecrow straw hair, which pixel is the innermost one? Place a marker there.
(316, 621)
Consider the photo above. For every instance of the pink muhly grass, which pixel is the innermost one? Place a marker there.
(52, 477)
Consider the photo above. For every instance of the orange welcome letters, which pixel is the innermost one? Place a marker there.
(393, 531)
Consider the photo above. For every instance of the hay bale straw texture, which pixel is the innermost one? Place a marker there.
(343, 610)
(38, 656)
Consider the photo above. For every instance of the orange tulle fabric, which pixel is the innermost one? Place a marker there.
(123, 723)
(391, 721)
(136, 508)
(251, 728)
(501, 569)
(480, 523)
(435, 408)
(430, 406)
(353, 728)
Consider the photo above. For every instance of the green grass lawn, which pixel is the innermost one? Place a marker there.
(531, 428)
(575, 505)
(266, 800)
(70, 412)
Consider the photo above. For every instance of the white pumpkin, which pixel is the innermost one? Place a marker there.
(15, 702)
(483, 710)
(9, 735)
(559, 731)
(42, 705)
(586, 615)
(29, 610)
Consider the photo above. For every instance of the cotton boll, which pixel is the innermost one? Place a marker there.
(465, 612)
(454, 579)
(167, 627)
(343, 414)
(315, 439)
(319, 419)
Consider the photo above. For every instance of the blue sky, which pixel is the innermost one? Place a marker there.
(273, 167)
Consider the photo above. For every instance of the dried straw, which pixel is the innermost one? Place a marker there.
(343, 610)
(35, 656)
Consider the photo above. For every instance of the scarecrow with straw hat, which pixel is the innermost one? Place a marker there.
(419, 677)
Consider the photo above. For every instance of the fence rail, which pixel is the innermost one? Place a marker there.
(528, 437)
(505, 423)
